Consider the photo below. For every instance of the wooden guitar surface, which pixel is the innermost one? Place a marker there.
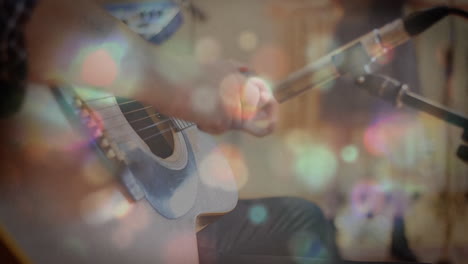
(60, 203)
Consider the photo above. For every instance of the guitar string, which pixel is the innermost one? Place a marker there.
(164, 131)
(128, 112)
(137, 120)
(114, 105)
(161, 132)
(180, 124)
(179, 127)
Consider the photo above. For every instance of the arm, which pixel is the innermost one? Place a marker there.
(79, 43)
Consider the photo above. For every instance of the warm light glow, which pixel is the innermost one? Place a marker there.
(236, 162)
(271, 61)
(180, 247)
(248, 40)
(400, 138)
(223, 167)
(94, 173)
(104, 205)
(207, 50)
(99, 69)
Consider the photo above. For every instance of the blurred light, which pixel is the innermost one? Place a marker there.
(122, 209)
(350, 154)
(374, 141)
(179, 248)
(94, 173)
(204, 100)
(258, 214)
(271, 61)
(400, 138)
(306, 244)
(296, 139)
(237, 163)
(253, 93)
(386, 57)
(248, 40)
(367, 198)
(99, 69)
(224, 167)
(99, 65)
(104, 205)
(315, 166)
(207, 50)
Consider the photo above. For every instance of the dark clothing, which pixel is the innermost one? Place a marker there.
(13, 58)
(270, 230)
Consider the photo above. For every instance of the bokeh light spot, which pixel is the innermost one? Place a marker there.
(224, 167)
(207, 50)
(258, 214)
(315, 166)
(350, 154)
(104, 205)
(99, 69)
(237, 163)
(271, 62)
(248, 40)
(179, 247)
(203, 100)
(305, 244)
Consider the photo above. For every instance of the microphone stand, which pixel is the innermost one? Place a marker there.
(398, 94)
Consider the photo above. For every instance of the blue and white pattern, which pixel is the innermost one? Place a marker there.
(154, 21)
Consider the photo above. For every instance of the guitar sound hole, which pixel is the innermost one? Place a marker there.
(152, 127)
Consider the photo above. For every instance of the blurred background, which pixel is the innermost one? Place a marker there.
(377, 172)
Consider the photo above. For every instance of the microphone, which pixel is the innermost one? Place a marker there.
(359, 56)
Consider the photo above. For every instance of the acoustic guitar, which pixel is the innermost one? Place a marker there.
(90, 178)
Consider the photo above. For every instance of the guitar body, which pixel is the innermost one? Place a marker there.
(65, 199)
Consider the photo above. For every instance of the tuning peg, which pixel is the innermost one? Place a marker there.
(111, 154)
(104, 143)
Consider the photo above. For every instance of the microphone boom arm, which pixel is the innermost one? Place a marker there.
(398, 94)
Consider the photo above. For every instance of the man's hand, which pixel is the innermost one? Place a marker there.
(222, 98)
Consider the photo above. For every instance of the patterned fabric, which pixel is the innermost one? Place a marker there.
(13, 66)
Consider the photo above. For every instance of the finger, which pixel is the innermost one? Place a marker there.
(264, 122)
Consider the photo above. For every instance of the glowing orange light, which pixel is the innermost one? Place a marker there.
(271, 61)
(99, 69)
